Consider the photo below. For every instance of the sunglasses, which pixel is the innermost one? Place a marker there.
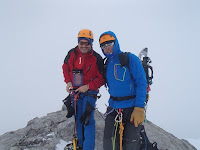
(84, 43)
(104, 45)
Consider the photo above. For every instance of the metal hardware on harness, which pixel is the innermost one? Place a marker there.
(118, 117)
(98, 96)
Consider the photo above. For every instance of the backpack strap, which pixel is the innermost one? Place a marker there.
(105, 62)
(124, 61)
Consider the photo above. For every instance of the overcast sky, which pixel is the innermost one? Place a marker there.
(35, 36)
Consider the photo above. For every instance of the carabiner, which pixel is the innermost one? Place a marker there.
(118, 118)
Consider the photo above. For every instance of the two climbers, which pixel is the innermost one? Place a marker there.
(83, 73)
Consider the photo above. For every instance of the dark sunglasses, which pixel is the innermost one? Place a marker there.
(84, 43)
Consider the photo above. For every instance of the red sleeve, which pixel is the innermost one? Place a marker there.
(66, 72)
(97, 82)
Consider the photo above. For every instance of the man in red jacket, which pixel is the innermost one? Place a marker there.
(83, 72)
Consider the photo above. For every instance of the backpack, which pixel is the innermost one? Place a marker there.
(145, 144)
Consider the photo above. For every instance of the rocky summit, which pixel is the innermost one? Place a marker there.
(46, 132)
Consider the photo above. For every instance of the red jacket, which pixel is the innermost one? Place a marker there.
(91, 64)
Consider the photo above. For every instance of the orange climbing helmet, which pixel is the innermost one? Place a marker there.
(85, 33)
(106, 37)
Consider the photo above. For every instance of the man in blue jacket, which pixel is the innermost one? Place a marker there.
(127, 88)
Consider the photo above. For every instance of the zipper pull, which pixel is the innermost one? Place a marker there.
(79, 60)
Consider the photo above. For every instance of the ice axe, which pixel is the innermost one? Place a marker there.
(143, 56)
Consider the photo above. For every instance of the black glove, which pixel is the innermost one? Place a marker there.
(85, 118)
(68, 104)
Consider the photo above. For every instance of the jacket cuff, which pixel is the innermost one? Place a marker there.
(91, 86)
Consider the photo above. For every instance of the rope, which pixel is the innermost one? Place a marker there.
(118, 121)
(114, 138)
(121, 129)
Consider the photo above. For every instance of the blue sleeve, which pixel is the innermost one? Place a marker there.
(139, 78)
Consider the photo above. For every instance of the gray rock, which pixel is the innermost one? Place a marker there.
(45, 133)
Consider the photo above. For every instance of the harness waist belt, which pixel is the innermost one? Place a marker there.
(123, 98)
(92, 95)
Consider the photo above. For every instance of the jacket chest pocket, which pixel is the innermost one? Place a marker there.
(119, 72)
(88, 68)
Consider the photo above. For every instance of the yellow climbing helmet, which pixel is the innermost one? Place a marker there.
(85, 33)
(106, 37)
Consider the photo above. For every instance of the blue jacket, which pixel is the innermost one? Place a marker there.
(120, 82)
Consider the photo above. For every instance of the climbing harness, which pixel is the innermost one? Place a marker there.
(123, 98)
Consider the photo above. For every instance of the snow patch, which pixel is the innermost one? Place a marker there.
(62, 144)
(51, 134)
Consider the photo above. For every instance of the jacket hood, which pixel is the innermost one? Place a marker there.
(116, 48)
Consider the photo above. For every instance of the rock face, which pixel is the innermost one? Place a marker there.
(46, 132)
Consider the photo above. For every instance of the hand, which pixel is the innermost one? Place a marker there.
(137, 116)
(85, 118)
(69, 86)
(83, 88)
